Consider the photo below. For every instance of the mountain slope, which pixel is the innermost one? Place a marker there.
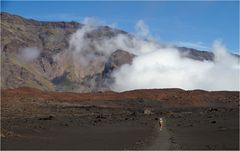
(47, 71)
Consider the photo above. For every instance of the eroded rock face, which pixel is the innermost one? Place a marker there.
(196, 55)
(18, 33)
(14, 75)
(47, 72)
(100, 81)
(116, 60)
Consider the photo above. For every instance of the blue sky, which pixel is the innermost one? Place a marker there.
(188, 23)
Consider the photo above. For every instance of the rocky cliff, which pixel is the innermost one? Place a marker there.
(52, 38)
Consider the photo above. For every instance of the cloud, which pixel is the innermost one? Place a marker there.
(141, 29)
(92, 21)
(31, 53)
(86, 49)
(155, 65)
(165, 68)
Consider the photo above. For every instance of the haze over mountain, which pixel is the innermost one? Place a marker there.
(80, 57)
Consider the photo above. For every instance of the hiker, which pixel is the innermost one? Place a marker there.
(161, 123)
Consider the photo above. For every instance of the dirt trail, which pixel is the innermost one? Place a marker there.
(162, 140)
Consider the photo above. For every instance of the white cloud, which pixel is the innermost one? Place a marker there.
(31, 53)
(155, 65)
(92, 21)
(165, 68)
(142, 29)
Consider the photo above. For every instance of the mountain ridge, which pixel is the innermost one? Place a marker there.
(52, 38)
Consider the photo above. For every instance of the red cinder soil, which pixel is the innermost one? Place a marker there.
(169, 97)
